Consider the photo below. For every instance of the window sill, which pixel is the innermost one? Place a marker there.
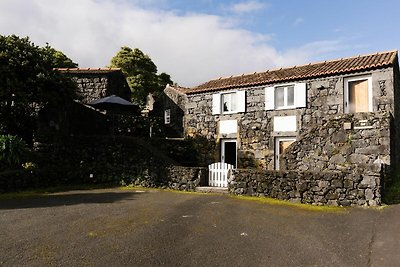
(229, 112)
(286, 107)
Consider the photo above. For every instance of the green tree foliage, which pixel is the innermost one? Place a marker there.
(28, 82)
(57, 58)
(141, 74)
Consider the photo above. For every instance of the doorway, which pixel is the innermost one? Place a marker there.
(281, 143)
(229, 151)
(358, 94)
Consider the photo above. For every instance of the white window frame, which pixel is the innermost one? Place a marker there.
(223, 143)
(231, 94)
(218, 105)
(300, 96)
(285, 96)
(167, 116)
(277, 153)
(347, 80)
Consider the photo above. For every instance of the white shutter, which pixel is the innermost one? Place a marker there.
(269, 98)
(216, 104)
(300, 95)
(241, 101)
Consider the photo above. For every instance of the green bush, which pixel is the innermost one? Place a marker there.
(12, 150)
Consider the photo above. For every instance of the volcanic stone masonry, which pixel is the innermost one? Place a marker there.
(256, 135)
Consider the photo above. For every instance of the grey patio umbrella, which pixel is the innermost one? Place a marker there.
(115, 106)
(114, 103)
(110, 101)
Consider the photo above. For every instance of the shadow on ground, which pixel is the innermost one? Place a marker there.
(67, 199)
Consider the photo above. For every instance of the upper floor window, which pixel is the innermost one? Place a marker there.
(358, 94)
(286, 96)
(229, 102)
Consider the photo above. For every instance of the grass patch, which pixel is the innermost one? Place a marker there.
(308, 207)
(140, 188)
(49, 190)
(17, 195)
(190, 192)
(264, 200)
(160, 189)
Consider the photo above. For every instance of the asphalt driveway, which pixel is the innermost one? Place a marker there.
(115, 227)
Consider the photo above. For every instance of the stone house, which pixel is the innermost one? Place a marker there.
(77, 118)
(96, 83)
(332, 115)
(170, 106)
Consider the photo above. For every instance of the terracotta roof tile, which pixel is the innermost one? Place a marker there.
(320, 69)
(87, 70)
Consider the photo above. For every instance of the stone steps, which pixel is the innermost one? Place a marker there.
(210, 189)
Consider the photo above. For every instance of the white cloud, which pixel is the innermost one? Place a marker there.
(311, 52)
(192, 48)
(298, 21)
(247, 7)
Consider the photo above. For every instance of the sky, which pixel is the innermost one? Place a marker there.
(198, 40)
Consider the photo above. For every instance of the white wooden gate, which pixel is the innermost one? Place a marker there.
(218, 174)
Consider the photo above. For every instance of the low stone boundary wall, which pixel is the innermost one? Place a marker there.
(322, 188)
(186, 178)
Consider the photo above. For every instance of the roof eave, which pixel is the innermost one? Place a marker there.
(291, 79)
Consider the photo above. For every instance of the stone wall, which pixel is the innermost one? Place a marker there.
(91, 87)
(318, 188)
(395, 148)
(186, 178)
(326, 96)
(186, 152)
(342, 143)
(102, 160)
(70, 119)
(96, 85)
(256, 136)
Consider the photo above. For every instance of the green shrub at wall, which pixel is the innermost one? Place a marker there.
(12, 151)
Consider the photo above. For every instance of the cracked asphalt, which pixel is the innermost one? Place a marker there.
(113, 227)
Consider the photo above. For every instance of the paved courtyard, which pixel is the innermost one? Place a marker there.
(113, 227)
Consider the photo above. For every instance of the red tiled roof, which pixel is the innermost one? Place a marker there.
(312, 70)
(87, 70)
